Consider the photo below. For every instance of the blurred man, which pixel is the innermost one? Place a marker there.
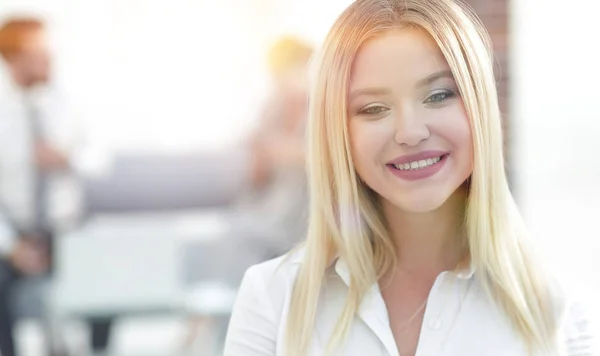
(36, 143)
(270, 216)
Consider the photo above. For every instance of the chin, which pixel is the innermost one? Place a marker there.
(419, 203)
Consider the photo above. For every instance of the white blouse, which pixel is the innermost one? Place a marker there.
(460, 319)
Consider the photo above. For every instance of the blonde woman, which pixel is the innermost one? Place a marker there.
(415, 245)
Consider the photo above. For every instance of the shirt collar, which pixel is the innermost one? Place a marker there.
(341, 267)
(466, 272)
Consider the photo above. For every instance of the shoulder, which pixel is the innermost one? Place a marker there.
(275, 277)
(270, 284)
(11, 101)
(259, 311)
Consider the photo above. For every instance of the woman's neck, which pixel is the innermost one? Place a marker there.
(428, 242)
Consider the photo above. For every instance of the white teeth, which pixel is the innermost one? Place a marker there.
(418, 164)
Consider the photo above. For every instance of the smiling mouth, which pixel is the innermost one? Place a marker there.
(419, 164)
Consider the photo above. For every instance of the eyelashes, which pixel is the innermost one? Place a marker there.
(436, 99)
(440, 97)
(373, 110)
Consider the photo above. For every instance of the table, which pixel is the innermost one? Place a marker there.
(129, 263)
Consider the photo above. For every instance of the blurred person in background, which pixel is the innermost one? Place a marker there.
(37, 181)
(269, 218)
(276, 193)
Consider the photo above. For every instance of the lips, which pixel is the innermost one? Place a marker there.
(424, 155)
(418, 166)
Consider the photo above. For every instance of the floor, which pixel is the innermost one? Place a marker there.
(140, 336)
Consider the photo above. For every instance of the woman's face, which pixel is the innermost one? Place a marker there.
(409, 132)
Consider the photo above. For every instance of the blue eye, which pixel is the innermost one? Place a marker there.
(440, 97)
(373, 110)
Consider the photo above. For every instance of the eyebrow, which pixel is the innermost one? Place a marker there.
(369, 91)
(384, 91)
(435, 76)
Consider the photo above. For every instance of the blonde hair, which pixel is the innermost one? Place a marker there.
(345, 220)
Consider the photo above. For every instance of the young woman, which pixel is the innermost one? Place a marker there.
(415, 245)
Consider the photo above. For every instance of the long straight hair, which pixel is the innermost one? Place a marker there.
(345, 220)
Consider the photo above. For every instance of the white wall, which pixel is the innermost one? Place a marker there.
(556, 114)
(170, 74)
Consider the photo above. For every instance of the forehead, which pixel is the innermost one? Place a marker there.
(399, 56)
(34, 40)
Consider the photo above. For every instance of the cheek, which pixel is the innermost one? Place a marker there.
(359, 145)
(459, 136)
(464, 138)
(367, 140)
(363, 150)
(453, 125)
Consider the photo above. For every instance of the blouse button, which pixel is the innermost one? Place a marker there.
(435, 324)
